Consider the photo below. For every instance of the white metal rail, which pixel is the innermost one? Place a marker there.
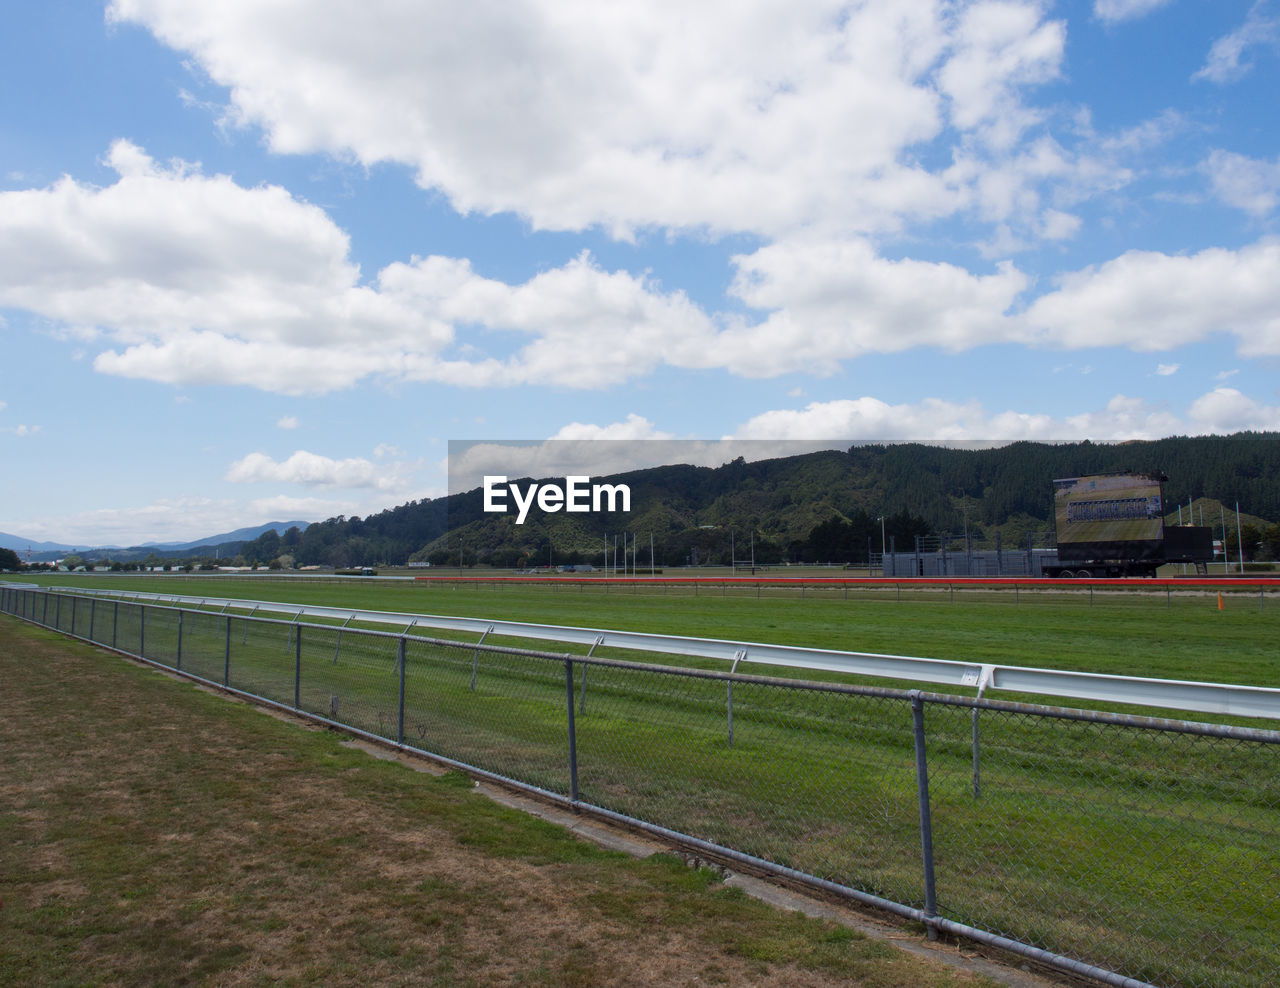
(1214, 698)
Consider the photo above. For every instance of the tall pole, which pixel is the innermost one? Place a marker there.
(1239, 540)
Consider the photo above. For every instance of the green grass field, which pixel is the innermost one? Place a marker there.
(1155, 854)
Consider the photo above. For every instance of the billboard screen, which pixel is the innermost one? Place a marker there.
(1108, 508)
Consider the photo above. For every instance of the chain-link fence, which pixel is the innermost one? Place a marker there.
(1128, 849)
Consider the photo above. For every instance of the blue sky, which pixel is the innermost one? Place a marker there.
(263, 259)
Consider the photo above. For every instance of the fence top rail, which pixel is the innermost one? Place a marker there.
(1223, 699)
(1226, 731)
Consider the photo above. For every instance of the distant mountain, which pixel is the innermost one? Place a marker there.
(239, 535)
(225, 544)
(20, 545)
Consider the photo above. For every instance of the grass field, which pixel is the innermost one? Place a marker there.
(1150, 853)
(155, 834)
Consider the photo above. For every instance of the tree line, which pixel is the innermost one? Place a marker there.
(827, 506)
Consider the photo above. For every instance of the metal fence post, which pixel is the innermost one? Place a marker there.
(142, 630)
(573, 732)
(400, 715)
(738, 657)
(297, 669)
(977, 769)
(475, 657)
(93, 613)
(926, 820)
(582, 702)
(179, 656)
(226, 657)
(115, 622)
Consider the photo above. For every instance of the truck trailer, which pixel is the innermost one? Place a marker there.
(1112, 525)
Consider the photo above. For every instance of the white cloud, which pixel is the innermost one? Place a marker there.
(1243, 182)
(832, 301)
(22, 431)
(1167, 370)
(1124, 418)
(872, 418)
(633, 427)
(998, 48)
(201, 280)
(586, 327)
(196, 280)
(1057, 225)
(313, 470)
(163, 520)
(287, 422)
(189, 279)
(766, 117)
(1226, 61)
(596, 451)
(1115, 11)
(282, 507)
(1223, 410)
(1150, 301)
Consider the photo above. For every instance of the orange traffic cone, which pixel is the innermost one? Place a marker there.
(1220, 606)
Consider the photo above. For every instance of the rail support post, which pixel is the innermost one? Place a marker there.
(297, 667)
(926, 819)
(400, 657)
(738, 657)
(573, 731)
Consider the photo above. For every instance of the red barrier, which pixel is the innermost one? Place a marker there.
(1219, 582)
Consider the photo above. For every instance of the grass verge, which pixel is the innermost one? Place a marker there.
(154, 833)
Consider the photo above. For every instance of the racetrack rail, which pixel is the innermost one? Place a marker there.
(1184, 695)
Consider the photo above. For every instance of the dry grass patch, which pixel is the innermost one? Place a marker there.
(153, 833)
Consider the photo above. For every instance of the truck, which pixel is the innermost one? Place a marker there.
(1112, 525)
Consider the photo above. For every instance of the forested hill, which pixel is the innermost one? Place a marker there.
(778, 503)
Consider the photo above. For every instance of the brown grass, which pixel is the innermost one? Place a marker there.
(152, 833)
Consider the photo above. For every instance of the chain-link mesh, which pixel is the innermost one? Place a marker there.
(1148, 849)
(494, 709)
(1152, 853)
(819, 782)
(350, 678)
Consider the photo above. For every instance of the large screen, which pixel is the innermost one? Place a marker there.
(1108, 508)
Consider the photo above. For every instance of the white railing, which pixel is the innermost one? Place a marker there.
(1223, 699)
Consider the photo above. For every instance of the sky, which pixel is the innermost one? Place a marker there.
(263, 260)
